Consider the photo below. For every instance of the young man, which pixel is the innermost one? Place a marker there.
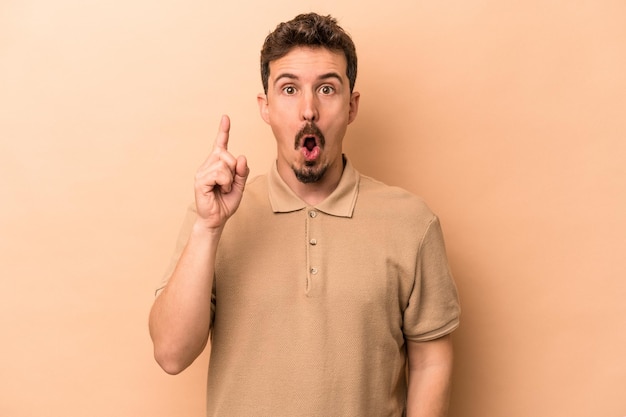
(320, 288)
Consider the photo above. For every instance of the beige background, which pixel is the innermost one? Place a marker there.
(507, 116)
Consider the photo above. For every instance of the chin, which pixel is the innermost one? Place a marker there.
(310, 173)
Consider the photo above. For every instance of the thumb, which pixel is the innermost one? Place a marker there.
(241, 171)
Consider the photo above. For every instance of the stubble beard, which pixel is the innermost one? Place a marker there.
(310, 172)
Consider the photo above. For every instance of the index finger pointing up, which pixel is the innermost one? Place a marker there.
(221, 141)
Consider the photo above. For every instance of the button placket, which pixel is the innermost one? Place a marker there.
(313, 256)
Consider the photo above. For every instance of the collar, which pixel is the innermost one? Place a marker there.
(339, 203)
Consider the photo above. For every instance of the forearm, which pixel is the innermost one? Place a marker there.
(180, 316)
(430, 374)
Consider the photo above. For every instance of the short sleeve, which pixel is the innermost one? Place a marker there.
(434, 309)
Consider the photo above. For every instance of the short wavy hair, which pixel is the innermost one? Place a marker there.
(311, 30)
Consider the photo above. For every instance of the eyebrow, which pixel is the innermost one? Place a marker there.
(321, 77)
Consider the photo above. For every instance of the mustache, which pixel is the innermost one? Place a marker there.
(310, 129)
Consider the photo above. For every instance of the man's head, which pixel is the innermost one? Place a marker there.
(308, 30)
(309, 69)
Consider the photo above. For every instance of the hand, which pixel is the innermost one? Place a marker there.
(220, 181)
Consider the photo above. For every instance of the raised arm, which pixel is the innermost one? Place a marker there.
(180, 316)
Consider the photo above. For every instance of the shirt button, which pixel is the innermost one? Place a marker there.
(313, 242)
(314, 271)
(312, 213)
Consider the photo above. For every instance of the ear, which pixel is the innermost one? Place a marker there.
(354, 106)
(263, 108)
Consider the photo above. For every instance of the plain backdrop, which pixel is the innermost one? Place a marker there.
(507, 116)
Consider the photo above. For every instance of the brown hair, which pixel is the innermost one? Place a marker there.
(307, 30)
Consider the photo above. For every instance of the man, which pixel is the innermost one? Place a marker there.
(319, 287)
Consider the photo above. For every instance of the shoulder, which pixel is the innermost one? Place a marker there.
(392, 200)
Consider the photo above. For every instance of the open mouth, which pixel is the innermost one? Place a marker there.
(310, 148)
(310, 142)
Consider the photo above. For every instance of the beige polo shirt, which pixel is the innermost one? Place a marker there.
(312, 305)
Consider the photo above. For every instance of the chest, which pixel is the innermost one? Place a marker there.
(313, 257)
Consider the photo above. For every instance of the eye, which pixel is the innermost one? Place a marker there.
(289, 90)
(327, 89)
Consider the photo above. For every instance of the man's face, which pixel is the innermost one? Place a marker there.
(309, 106)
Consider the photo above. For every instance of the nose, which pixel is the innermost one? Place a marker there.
(309, 108)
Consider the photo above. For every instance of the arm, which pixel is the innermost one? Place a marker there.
(430, 370)
(180, 316)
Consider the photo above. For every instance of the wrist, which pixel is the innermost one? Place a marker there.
(203, 229)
